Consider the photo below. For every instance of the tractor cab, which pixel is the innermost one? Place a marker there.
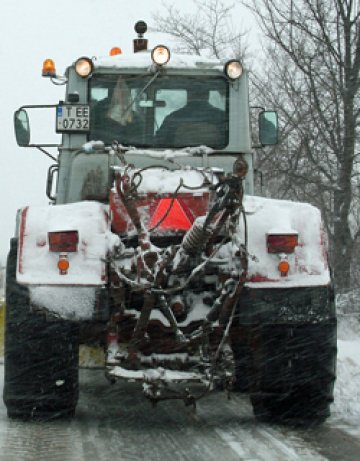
(153, 107)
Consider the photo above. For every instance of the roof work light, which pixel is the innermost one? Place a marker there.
(160, 55)
(233, 69)
(84, 67)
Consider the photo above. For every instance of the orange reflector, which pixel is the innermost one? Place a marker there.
(63, 264)
(284, 267)
(48, 69)
(115, 51)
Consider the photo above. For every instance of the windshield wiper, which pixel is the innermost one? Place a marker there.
(141, 92)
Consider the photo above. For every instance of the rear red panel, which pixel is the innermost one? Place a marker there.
(175, 215)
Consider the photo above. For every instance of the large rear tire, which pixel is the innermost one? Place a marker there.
(243, 358)
(41, 357)
(294, 373)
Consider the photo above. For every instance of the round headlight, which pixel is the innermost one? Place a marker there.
(233, 69)
(160, 55)
(84, 67)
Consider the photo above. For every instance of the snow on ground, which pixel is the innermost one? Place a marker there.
(346, 407)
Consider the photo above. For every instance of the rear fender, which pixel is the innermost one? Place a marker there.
(308, 262)
(37, 265)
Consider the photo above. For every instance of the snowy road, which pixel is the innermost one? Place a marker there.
(116, 422)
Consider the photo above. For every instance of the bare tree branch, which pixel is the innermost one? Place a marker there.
(208, 30)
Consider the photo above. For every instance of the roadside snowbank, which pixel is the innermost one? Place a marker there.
(347, 389)
(346, 407)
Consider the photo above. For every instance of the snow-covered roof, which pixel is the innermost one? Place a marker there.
(143, 60)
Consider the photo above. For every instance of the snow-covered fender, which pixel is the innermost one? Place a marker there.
(308, 264)
(37, 265)
(71, 293)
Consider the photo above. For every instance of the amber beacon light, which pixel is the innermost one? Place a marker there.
(48, 68)
(115, 51)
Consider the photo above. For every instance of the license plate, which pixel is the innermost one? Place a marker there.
(72, 118)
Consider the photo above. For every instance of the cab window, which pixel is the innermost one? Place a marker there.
(172, 112)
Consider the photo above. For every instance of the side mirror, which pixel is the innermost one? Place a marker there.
(22, 128)
(268, 128)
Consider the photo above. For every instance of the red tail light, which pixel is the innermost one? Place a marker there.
(281, 243)
(63, 242)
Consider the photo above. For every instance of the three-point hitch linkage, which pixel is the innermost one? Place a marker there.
(151, 279)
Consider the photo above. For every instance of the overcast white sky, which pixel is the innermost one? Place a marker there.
(33, 30)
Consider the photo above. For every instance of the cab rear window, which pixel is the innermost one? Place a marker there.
(172, 112)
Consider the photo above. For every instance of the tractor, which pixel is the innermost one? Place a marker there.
(155, 248)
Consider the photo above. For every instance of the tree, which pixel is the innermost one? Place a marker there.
(208, 30)
(313, 80)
